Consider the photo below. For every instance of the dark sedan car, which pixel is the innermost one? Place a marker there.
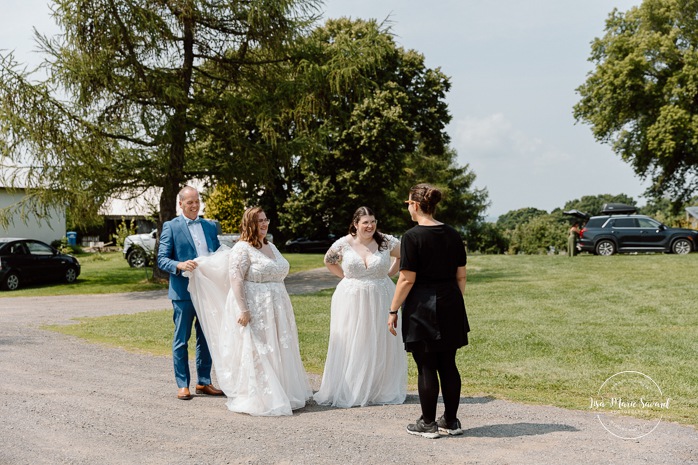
(311, 244)
(28, 260)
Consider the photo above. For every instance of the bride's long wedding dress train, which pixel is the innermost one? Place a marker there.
(258, 366)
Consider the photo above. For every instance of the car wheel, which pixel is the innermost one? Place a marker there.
(71, 274)
(11, 282)
(294, 249)
(136, 258)
(605, 247)
(681, 246)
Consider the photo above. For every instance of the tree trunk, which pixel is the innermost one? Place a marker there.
(179, 126)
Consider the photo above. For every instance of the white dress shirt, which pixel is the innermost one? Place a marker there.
(197, 233)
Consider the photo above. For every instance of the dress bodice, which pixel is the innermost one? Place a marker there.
(255, 266)
(353, 266)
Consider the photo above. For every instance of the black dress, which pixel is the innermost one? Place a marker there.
(433, 315)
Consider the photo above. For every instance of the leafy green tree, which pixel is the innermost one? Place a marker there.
(539, 235)
(487, 238)
(511, 219)
(122, 107)
(226, 204)
(383, 133)
(593, 204)
(123, 230)
(665, 210)
(641, 97)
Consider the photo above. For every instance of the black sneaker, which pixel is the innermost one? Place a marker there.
(452, 428)
(425, 430)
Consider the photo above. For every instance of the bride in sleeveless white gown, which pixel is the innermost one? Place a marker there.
(258, 365)
(365, 363)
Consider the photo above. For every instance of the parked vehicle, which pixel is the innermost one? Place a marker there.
(139, 249)
(28, 260)
(310, 244)
(619, 230)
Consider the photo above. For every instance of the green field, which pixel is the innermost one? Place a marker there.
(544, 329)
(109, 273)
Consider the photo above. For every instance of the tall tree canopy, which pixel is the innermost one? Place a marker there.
(120, 109)
(593, 204)
(383, 133)
(642, 96)
(511, 219)
(309, 123)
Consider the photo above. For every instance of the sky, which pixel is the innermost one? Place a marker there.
(514, 66)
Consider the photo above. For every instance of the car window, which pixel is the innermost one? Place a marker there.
(625, 223)
(595, 223)
(36, 248)
(648, 223)
(17, 249)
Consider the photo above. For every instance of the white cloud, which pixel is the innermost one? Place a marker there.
(523, 170)
(492, 136)
(482, 141)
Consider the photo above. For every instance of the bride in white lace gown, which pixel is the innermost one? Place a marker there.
(246, 314)
(365, 363)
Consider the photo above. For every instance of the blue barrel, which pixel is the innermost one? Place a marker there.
(72, 237)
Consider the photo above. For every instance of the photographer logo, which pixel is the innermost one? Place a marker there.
(629, 393)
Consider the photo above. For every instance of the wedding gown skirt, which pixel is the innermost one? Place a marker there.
(257, 366)
(365, 363)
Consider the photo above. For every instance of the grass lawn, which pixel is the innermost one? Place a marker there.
(545, 329)
(109, 273)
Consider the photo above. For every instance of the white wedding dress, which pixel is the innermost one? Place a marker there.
(258, 366)
(365, 363)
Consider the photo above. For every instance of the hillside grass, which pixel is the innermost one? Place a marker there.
(545, 329)
(109, 273)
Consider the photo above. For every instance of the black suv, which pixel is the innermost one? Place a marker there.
(619, 230)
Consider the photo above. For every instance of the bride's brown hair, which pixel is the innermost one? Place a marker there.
(377, 236)
(249, 227)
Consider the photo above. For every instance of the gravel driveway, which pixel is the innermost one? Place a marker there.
(64, 401)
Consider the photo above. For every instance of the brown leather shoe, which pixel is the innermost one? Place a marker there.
(183, 394)
(209, 390)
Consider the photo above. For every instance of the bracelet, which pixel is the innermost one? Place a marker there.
(393, 313)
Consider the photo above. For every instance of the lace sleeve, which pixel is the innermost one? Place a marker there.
(393, 242)
(239, 264)
(334, 254)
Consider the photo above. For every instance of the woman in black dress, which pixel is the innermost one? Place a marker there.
(434, 323)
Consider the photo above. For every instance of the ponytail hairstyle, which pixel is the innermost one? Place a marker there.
(427, 196)
(249, 228)
(377, 236)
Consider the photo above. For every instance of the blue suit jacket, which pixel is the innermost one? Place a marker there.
(177, 245)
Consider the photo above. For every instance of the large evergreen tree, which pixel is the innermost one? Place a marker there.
(120, 110)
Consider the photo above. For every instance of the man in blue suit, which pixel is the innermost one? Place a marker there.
(182, 240)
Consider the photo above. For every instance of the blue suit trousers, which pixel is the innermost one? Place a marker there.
(184, 317)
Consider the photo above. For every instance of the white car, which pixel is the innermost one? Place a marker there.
(139, 249)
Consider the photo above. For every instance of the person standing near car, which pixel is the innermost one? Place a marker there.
(182, 240)
(431, 285)
(572, 239)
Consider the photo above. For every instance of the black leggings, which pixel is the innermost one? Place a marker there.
(432, 367)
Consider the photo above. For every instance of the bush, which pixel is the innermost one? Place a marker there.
(62, 246)
(123, 231)
(538, 236)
